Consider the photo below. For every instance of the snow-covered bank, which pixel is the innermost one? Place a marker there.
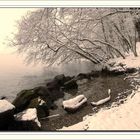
(123, 117)
(130, 61)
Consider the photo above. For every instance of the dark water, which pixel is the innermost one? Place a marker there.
(94, 90)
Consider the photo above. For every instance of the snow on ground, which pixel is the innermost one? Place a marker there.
(123, 117)
(131, 61)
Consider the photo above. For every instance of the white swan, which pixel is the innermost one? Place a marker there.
(102, 101)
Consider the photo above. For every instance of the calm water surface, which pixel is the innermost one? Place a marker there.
(16, 76)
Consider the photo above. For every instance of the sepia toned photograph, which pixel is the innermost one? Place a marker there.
(69, 69)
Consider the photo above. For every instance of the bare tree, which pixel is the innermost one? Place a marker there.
(57, 35)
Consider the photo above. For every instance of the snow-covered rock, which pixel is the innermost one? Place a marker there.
(74, 103)
(28, 119)
(6, 113)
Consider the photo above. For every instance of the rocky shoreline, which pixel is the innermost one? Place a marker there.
(25, 112)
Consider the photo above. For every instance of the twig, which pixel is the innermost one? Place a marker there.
(52, 116)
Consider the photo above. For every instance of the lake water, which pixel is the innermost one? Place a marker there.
(16, 76)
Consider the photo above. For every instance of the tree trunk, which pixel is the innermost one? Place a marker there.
(135, 47)
(137, 34)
